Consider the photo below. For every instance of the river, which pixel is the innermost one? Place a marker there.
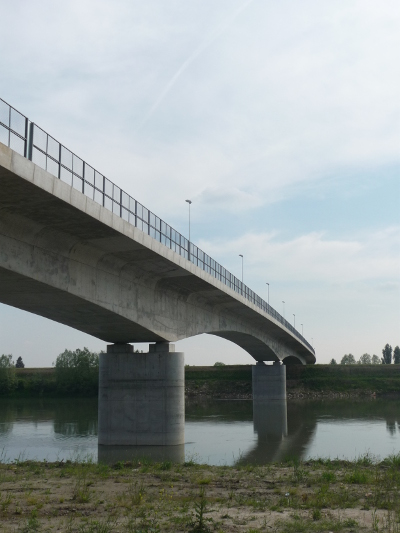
(217, 432)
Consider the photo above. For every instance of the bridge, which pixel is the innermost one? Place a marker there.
(77, 249)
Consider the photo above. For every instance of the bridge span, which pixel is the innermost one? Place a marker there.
(76, 249)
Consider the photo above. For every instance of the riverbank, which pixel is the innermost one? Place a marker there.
(234, 381)
(163, 497)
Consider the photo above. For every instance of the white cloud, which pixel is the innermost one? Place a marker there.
(316, 258)
(240, 108)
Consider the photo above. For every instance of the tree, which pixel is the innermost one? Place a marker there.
(365, 359)
(396, 355)
(333, 362)
(375, 360)
(219, 364)
(78, 371)
(348, 359)
(19, 363)
(8, 380)
(387, 355)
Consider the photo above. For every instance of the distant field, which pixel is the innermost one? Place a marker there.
(235, 380)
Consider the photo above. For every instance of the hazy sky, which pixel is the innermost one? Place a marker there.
(280, 120)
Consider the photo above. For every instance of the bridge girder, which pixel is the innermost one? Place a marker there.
(65, 257)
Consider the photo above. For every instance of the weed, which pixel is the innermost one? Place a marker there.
(316, 514)
(357, 477)
(166, 465)
(97, 527)
(375, 521)
(199, 524)
(139, 522)
(32, 524)
(136, 493)
(5, 502)
(81, 492)
(204, 481)
(328, 477)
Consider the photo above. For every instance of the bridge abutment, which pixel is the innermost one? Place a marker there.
(141, 396)
(269, 381)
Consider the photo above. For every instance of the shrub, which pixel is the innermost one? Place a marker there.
(8, 381)
(78, 371)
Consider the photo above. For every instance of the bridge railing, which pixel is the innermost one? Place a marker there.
(25, 137)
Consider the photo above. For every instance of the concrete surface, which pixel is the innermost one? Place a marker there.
(269, 382)
(65, 257)
(141, 397)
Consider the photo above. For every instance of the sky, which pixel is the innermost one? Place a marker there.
(279, 120)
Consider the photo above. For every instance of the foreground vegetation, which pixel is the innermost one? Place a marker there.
(140, 496)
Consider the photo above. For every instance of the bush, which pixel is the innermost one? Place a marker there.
(219, 364)
(77, 371)
(8, 381)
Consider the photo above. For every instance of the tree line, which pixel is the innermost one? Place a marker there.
(389, 355)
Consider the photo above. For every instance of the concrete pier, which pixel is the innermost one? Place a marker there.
(141, 396)
(269, 381)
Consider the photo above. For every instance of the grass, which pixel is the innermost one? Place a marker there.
(235, 380)
(145, 497)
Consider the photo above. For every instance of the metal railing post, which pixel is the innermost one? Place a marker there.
(29, 142)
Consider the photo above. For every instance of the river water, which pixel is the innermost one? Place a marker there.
(218, 432)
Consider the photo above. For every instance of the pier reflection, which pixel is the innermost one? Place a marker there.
(159, 454)
(281, 432)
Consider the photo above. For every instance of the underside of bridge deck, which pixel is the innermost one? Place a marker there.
(67, 258)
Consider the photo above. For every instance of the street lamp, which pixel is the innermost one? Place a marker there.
(241, 255)
(268, 294)
(294, 321)
(283, 308)
(189, 202)
(302, 329)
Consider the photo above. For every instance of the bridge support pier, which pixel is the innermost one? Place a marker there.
(269, 381)
(141, 396)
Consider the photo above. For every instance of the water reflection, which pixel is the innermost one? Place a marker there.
(281, 433)
(159, 454)
(218, 432)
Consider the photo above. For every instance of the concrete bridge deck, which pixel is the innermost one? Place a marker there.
(65, 257)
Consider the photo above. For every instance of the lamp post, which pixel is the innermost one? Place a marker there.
(283, 308)
(241, 255)
(302, 329)
(294, 321)
(268, 294)
(189, 202)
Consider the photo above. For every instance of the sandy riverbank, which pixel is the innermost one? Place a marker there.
(145, 497)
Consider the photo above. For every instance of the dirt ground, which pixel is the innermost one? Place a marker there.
(144, 497)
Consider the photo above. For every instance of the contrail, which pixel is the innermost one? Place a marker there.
(199, 50)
